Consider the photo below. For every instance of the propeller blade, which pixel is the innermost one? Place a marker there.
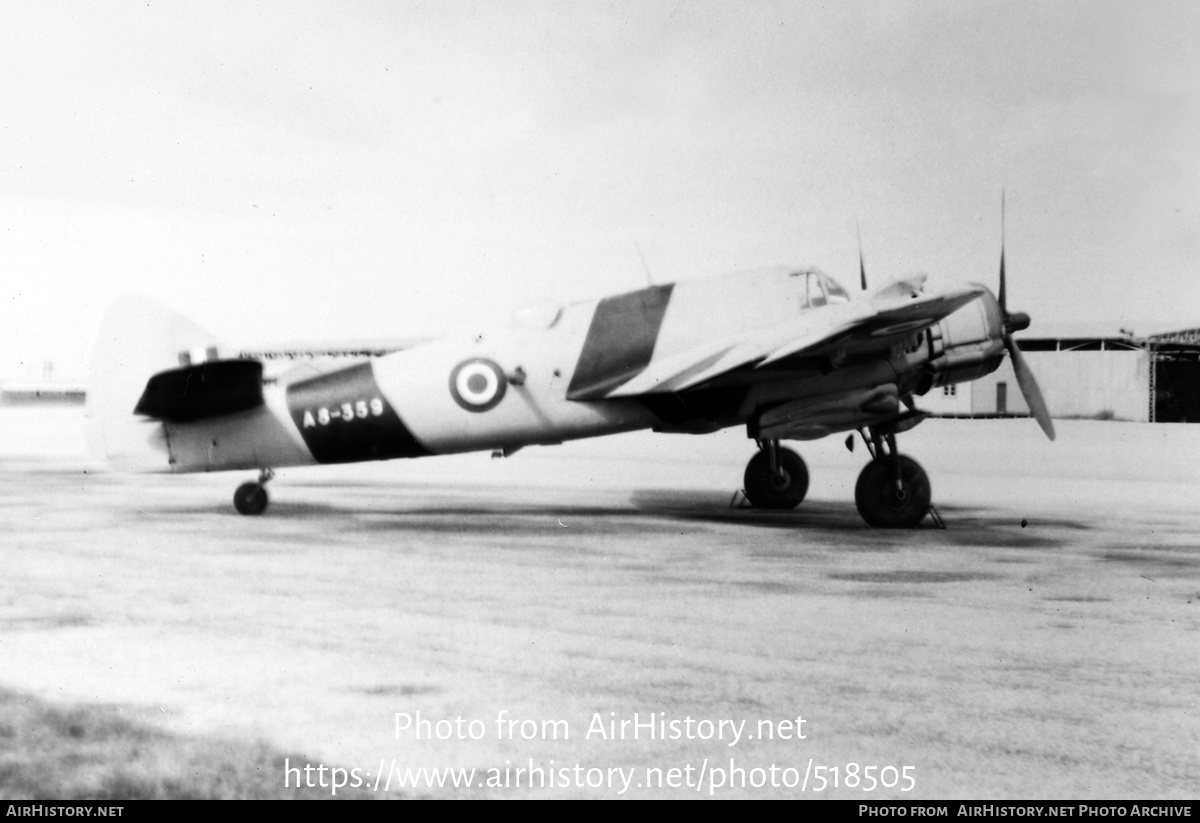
(1000, 298)
(1029, 387)
(1017, 322)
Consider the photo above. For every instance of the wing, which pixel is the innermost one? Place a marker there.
(896, 310)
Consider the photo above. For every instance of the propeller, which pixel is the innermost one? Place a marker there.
(1015, 322)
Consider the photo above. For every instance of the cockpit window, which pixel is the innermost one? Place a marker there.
(818, 289)
(834, 292)
(816, 292)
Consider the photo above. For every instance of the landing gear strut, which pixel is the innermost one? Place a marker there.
(776, 478)
(251, 498)
(893, 490)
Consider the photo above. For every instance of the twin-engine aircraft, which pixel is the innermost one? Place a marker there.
(789, 354)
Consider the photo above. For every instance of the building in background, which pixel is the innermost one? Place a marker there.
(1152, 379)
(44, 390)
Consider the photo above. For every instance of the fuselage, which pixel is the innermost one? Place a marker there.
(534, 383)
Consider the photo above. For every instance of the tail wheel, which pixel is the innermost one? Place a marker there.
(783, 488)
(886, 504)
(250, 498)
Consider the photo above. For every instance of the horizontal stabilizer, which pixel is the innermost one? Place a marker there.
(211, 389)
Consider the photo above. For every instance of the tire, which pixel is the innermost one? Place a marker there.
(250, 498)
(765, 490)
(877, 499)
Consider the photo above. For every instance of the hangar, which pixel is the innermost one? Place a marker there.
(1154, 379)
(28, 393)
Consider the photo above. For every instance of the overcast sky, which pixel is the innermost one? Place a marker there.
(294, 170)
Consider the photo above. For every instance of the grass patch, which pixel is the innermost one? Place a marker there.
(88, 752)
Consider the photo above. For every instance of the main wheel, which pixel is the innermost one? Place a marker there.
(250, 498)
(885, 506)
(783, 489)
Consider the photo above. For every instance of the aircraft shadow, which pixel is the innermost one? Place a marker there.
(659, 511)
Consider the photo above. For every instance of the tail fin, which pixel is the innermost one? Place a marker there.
(138, 338)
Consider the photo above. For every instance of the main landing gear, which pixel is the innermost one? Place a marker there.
(776, 478)
(892, 491)
(251, 498)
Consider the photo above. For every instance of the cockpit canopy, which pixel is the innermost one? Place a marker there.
(816, 288)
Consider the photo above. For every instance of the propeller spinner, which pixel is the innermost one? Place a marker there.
(1015, 322)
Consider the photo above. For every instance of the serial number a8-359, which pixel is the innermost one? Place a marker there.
(347, 412)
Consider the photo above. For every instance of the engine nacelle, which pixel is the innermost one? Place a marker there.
(968, 344)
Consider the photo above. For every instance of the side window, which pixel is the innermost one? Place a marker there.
(834, 292)
(816, 290)
(802, 287)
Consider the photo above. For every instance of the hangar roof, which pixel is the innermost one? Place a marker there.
(1096, 336)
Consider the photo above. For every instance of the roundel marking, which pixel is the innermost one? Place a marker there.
(478, 384)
